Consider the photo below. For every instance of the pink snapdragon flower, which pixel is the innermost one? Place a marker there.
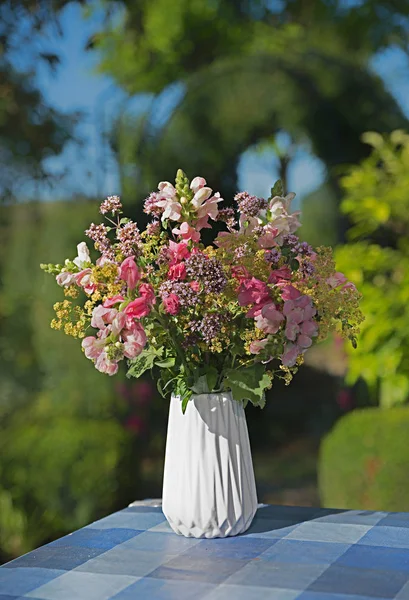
(110, 302)
(93, 346)
(138, 308)
(280, 275)
(147, 292)
(178, 252)
(129, 272)
(270, 319)
(300, 328)
(83, 279)
(105, 365)
(168, 201)
(258, 345)
(171, 304)
(65, 278)
(255, 292)
(102, 316)
(134, 341)
(336, 280)
(186, 232)
(177, 272)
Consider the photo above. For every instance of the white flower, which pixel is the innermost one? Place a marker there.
(83, 256)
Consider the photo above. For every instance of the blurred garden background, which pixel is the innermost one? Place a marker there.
(102, 97)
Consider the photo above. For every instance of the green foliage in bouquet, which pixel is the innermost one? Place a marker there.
(364, 461)
(229, 316)
(377, 260)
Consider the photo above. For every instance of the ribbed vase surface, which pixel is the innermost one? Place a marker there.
(208, 485)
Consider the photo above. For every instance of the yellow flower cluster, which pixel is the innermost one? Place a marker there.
(331, 303)
(70, 319)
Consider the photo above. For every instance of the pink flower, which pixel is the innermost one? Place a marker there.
(134, 342)
(65, 278)
(258, 345)
(348, 286)
(268, 239)
(147, 292)
(209, 208)
(304, 341)
(240, 272)
(168, 201)
(83, 279)
(289, 292)
(289, 357)
(178, 252)
(187, 232)
(197, 183)
(105, 365)
(118, 323)
(270, 319)
(138, 308)
(109, 302)
(102, 316)
(195, 285)
(253, 291)
(336, 280)
(93, 346)
(171, 304)
(177, 271)
(129, 272)
(279, 275)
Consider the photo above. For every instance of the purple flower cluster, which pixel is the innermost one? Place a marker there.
(210, 326)
(111, 204)
(241, 251)
(99, 235)
(208, 271)
(129, 239)
(186, 295)
(153, 228)
(272, 256)
(150, 206)
(227, 215)
(248, 204)
(297, 247)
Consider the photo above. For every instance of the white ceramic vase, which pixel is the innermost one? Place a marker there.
(208, 485)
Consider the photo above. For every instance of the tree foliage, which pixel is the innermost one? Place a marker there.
(31, 130)
(224, 75)
(377, 260)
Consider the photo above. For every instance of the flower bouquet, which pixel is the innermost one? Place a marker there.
(218, 321)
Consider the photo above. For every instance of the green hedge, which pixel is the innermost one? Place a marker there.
(364, 461)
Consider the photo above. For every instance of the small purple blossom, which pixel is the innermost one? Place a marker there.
(273, 256)
(249, 205)
(111, 204)
(227, 215)
(186, 295)
(210, 326)
(208, 271)
(151, 207)
(99, 235)
(129, 239)
(241, 252)
(153, 228)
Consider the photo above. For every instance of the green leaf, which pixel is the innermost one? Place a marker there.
(167, 363)
(182, 390)
(277, 189)
(124, 220)
(248, 384)
(205, 380)
(143, 362)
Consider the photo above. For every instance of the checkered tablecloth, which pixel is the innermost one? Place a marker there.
(288, 553)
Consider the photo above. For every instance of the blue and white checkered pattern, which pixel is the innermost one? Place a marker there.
(288, 553)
